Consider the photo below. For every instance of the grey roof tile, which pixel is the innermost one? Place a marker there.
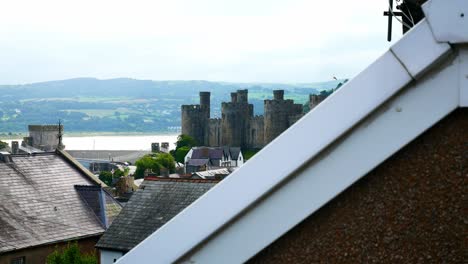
(39, 204)
(154, 204)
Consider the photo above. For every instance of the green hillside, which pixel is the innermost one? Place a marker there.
(124, 105)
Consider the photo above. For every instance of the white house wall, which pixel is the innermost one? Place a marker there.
(110, 257)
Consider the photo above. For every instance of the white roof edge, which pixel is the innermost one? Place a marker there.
(372, 141)
(379, 82)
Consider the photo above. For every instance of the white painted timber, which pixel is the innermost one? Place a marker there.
(363, 94)
(223, 207)
(414, 55)
(448, 20)
(464, 77)
(379, 136)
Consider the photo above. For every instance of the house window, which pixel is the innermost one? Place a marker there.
(20, 260)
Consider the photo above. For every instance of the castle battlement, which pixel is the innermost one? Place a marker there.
(190, 107)
(238, 126)
(41, 128)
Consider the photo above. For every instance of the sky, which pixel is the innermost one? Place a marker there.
(289, 41)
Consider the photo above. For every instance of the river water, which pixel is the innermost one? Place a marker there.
(115, 142)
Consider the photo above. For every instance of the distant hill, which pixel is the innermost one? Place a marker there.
(123, 104)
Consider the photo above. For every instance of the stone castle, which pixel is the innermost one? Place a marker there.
(238, 126)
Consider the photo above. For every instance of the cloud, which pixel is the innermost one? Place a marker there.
(231, 40)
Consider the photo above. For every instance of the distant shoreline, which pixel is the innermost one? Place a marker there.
(97, 134)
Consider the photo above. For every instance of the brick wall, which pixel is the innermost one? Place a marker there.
(410, 209)
(38, 255)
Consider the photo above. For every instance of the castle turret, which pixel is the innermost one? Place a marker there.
(279, 114)
(205, 103)
(315, 99)
(233, 97)
(195, 119)
(243, 96)
(278, 94)
(235, 120)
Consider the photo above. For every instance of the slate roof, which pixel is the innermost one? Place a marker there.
(39, 203)
(207, 153)
(197, 162)
(155, 203)
(234, 151)
(91, 195)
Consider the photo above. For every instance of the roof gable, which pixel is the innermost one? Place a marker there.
(39, 203)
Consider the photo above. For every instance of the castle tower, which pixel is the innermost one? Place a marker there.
(205, 103)
(195, 119)
(235, 120)
(279, 114)
(45, 137)
(315, 99)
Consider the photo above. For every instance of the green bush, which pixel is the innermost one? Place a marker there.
(71, 255)
(154, 162)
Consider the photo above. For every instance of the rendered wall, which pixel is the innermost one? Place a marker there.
(410, 209)
(109, 257)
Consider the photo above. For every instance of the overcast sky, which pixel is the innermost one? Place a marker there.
(218, 40)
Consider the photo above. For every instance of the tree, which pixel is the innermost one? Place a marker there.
(183, 145)
(180, 153)
(165, 160)
(3, 144)
(154, 162)
(71, 255)
(185, 141)
(106, 177)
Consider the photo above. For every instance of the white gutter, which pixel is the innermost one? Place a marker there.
(221, 208)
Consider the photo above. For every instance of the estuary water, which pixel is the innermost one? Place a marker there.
(115, 142)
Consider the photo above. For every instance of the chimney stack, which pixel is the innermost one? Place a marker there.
(14, 147)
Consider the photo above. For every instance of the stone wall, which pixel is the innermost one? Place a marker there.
(238, 126)
(44, 137)
(214, 136)
(38, 255)
(279, 115)
(195, 119)
(256, 134)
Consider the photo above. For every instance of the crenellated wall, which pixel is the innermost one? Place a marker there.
(237, 125)
(279, 115)
(44, 137)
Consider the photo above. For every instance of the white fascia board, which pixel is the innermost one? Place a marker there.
(448, 20)
(336, 115)
(463, 76)
(418, 49)
(380, 135)
(339, 113)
